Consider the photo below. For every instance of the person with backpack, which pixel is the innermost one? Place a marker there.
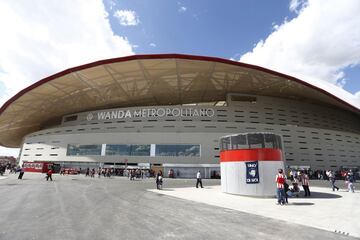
(280, 193)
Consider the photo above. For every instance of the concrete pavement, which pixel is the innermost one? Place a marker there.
(333, 211)
(77, 207)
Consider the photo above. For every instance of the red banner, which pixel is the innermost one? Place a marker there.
(257, 154)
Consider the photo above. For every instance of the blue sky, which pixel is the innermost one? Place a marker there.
(216, 28)
(314, 40)
(225, 29)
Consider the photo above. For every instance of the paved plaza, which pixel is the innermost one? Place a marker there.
(333, 211)
(76, 207)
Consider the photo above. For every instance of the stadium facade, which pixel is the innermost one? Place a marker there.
(170, 110)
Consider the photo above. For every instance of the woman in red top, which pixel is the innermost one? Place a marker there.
(280, 193)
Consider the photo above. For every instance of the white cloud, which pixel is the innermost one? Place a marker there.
(182, 9)
(40, 39)
(316, 46)
(297, 5)
(112, 4)
(127, 17)
(152, 45)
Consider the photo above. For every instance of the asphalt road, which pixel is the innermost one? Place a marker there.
(76, 207)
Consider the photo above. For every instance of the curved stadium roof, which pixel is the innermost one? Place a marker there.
(145, 80)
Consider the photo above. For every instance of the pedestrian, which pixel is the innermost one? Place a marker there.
(2, 169)
(49, 175)
(159, 181)
(350, 180)
(332, 179)
(198, 180)
(132, 174)
(286, 189)
(292, 175)
(305, 183)
(280, 193)
(21, 174)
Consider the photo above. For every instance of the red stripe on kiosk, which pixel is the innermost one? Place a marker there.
(257, 154)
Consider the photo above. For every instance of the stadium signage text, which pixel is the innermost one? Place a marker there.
(152, 112)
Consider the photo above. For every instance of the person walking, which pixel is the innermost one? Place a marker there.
(286, 190)
(198, 180)
(92, 174)
(49, 175)
(132, 174)
(99, 172)
(332, 180)
(87, 173)
(159, 181)
(280, 193)
(350, 180)
(305, 183)
(21, 173)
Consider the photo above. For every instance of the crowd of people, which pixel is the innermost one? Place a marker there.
(296, 177)
(131, 174)
(339, 174)
(11, 168)
(287, 182)
(283, 189)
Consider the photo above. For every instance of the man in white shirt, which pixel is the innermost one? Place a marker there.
(198, 180)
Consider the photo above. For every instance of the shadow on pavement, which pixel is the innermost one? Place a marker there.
(323, 195)
(301, 203)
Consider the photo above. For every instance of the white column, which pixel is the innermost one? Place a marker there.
(103, 149)
(152, 150)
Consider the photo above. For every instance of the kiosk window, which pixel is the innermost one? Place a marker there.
(256, 140)
(239, 142)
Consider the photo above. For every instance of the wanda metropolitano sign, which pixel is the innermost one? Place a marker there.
(151, 112)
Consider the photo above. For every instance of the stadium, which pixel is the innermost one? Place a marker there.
(169, 111)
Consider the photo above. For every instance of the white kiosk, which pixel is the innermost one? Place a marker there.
(249, 163)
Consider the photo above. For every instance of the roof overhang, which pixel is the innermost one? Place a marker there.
(146, 80)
